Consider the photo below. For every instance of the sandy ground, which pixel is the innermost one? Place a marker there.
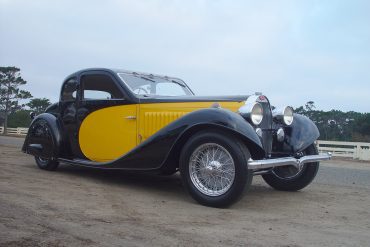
(85, 207)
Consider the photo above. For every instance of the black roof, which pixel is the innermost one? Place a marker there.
(115, 71)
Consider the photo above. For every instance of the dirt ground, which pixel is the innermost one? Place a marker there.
(84, 207)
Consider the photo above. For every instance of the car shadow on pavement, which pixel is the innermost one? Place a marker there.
(167, 187)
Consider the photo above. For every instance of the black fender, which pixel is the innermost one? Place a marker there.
(301, 134)
(159, 149)
(44, 138)
(231, 123)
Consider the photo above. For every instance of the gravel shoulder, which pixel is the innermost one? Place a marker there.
(77, 206)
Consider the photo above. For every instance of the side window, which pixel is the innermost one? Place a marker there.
(69, 90)
(99, 87)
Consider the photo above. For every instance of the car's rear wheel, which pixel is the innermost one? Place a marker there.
(290, 178)
(213, 168)
(46, 164)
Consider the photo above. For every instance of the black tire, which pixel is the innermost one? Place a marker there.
(295, 182)
(46, 164)
(235, 149)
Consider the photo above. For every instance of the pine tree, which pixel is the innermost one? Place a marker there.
(10, 94)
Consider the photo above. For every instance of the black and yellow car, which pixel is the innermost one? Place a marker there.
(118, 119)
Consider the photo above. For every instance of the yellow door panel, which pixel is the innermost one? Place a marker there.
(155, 116)
(109, 133)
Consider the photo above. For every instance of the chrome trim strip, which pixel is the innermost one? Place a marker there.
(271, 163)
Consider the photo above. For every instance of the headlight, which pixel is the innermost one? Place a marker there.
(257, 114)
(288, 115)
(252, 112)
(284, 115)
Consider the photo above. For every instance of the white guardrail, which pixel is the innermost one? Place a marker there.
(15, 131)
(354, 150)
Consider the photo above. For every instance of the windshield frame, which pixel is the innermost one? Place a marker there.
(152, 77)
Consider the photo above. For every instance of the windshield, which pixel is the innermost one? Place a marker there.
(154, 85)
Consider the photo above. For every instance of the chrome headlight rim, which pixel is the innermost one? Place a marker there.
(288, 117)
(256, 115)
(253, 112)
(284, 115)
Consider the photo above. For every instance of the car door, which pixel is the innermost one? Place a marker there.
(106, 118)
(68, 109)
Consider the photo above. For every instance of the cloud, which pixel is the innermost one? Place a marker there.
(292, 51)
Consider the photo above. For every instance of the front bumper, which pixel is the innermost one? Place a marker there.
(286, 161)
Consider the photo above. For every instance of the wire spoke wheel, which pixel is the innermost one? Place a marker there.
(212, 169)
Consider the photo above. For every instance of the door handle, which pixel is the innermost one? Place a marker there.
(130, 117)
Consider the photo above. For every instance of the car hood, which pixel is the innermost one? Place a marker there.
(193, 98)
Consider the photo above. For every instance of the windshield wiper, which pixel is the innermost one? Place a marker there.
(143, 77)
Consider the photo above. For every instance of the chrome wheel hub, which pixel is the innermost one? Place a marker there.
(212, 169)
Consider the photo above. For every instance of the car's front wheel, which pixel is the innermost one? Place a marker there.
(213, 167)
(290, 178)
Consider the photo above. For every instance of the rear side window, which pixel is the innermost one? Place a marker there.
(69, 90)
(99, 87)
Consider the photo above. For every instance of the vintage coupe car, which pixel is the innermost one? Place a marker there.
(118, 119)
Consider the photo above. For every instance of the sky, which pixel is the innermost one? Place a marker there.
(291, 51)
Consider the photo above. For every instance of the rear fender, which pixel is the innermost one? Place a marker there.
(44, 137)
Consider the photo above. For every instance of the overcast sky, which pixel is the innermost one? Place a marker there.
(292, 51)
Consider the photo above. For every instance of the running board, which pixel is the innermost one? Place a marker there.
(286, 161)
(81, 162)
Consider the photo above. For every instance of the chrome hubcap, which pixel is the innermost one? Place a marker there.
(212, 169)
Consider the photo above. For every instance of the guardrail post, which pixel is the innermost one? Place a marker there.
(364, 152)
(356, 152)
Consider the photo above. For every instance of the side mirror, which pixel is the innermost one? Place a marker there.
(32, 115)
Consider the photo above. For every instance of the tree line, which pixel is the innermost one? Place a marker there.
(333, 125)
(336, 125)
(13, 113)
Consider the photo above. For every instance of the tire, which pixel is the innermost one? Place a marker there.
(230, 161)
(284, 178)
(46, 164)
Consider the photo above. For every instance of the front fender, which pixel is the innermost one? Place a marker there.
(44, 137)
(226, 121)
(301, 134)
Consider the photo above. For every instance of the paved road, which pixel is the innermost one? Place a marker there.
(11, 141)
(343, 176)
